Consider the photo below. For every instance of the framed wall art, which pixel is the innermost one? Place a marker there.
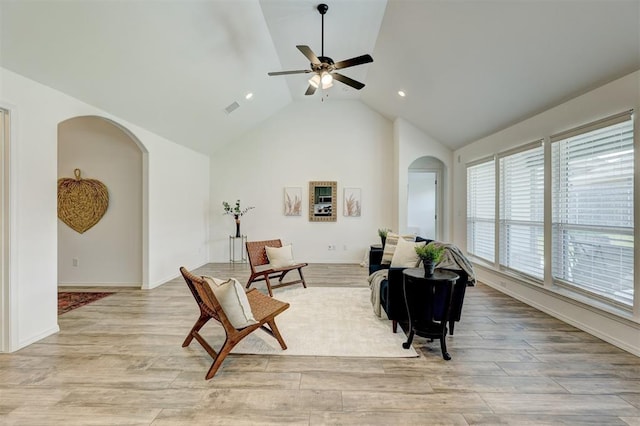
(352, 202)
(292, 201)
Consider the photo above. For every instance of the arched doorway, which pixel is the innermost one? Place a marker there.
(114, 251)
(424, 195)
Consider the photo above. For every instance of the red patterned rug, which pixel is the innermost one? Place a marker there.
(70, 300)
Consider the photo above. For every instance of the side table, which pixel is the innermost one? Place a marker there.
(428, 302)
(237, 249)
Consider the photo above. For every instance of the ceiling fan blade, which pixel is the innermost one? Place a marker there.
(348, 81)
(310, 90)
(289, 72)
(306, 51)
(358, 60)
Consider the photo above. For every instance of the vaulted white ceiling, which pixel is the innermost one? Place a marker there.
(469, 68)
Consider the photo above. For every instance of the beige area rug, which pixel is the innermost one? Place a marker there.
(328, 321)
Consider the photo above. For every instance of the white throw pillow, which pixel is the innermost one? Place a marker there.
(280, 257)
(405, 255)
(233, 300)
(390, 246)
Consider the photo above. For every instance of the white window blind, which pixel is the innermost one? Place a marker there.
(592, 208)
(481, 188)
(521, 217)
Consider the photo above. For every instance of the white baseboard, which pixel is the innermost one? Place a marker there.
(37, 337)
(159, 282)
(593, 325)
(135, 285)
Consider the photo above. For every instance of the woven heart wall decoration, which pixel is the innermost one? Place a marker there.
(81, 202)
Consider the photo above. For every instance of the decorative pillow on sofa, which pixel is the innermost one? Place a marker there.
(405, 255)
(390, 246)
(233, 300)
(280, 257)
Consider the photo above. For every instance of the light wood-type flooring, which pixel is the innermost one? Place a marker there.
(120, 361)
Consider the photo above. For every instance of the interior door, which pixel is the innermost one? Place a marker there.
(422, 207)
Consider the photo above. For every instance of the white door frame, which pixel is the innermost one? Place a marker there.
(6, 294)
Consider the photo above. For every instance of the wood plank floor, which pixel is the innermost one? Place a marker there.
(119, 361)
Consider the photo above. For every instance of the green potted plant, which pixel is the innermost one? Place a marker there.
(430, 256)
(382, 232)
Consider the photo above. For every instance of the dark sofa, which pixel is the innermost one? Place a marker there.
(391, 293)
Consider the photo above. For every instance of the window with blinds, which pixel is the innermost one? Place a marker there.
(481, 188)
(592, 208)
(521, 214)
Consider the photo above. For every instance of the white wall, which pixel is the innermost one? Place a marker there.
(617, 96)
(411, 143)
(179, 215)
(178, 187)
(341, 141)
(110, 252)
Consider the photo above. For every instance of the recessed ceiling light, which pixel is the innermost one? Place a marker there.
(401, 94)
(249, 96)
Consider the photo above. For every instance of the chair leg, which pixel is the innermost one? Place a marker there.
(217, 361)
(250, 281)
(266, 280)
(282, 275)
(276, 333)
(394, 326)
(304, 284)
(204, 318)
(451, 323)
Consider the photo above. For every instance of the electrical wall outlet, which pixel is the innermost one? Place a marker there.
(75, 262)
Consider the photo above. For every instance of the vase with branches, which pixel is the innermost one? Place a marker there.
(237, 213)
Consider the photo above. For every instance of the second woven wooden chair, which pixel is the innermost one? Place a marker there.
(262, 270)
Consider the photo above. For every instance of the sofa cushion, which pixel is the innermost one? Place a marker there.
(405, 255)
(390, 246)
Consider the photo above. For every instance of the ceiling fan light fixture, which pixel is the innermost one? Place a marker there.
(326, 86)
(327, 79)
(315, 81)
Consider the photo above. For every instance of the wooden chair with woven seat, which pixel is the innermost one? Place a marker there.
(263, 307)
(261, 269)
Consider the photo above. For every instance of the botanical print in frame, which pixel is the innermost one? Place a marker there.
(352, 202)
(292, 201)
